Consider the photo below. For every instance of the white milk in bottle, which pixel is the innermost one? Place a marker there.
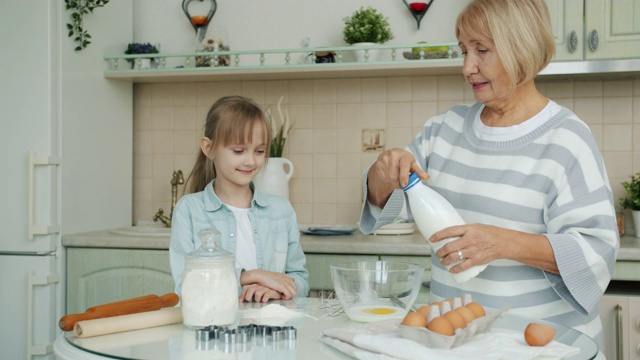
(432, 213)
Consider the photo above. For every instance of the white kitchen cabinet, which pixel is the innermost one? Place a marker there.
(620, 313)
(595, 29)
(98, 276)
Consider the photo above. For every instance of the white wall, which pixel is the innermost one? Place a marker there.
(97, 126)
(280, 24)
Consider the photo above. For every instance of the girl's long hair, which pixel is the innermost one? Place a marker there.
(230, 120)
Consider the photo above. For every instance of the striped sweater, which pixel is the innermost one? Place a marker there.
(551, 181)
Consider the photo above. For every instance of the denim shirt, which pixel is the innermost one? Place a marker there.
(275, 232)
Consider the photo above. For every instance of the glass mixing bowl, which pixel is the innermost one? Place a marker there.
(376, 290)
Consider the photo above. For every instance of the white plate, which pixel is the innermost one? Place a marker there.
(327, 230)
(396, 229)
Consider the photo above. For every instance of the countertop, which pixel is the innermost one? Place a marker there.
(177, 342)
(357, 243)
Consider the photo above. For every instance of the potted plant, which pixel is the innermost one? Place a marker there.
(279, 129)
(141, 48)
(277, 170)
(366, 27)
(632, 200)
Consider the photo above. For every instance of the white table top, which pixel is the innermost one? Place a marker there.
(178, 342)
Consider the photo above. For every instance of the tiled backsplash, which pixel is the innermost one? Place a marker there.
(326, 142)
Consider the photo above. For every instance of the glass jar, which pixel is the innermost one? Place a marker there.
(209, 284)
(212, 39)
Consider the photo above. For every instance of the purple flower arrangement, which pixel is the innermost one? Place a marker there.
(140, 48)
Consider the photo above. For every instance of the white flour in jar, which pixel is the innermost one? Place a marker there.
(209, 297)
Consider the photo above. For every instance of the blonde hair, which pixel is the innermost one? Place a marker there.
(520, 29)
(230, 120)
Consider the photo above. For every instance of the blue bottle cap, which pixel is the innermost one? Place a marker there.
(413, 179)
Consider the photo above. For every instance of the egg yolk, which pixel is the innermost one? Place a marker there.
(379, 311)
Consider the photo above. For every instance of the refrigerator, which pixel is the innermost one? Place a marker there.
(31, 261)
(51, 184)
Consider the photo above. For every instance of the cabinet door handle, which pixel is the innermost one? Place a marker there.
(33, 281)
(619, 349)
(594, 40)
(33, 229)
(572, 44)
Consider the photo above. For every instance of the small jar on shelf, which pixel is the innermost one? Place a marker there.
(213, 40)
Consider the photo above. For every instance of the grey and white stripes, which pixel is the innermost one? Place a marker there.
(552, 181)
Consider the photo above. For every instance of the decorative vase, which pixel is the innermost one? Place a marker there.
(144, 64)
(274, 177)
(636, 221)
(370, 55)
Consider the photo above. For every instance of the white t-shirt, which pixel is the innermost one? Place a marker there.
(245, 246)
(508, 133)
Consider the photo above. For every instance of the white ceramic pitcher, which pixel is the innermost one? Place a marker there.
(274, 177)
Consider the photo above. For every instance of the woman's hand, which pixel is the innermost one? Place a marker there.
(282, 283)
(390, 172)
(258, 293)
(480, 244)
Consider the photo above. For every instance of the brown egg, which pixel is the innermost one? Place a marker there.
(466, 313)
(424, 311)
(477, 309)
(538, 334)
(414, 319)
(455, 319)
(441, 325)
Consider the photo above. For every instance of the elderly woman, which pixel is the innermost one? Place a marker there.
(524, 172)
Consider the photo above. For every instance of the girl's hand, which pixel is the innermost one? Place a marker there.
(282, 283)
(258, 293)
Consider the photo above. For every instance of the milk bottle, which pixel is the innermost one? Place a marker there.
(432, 213)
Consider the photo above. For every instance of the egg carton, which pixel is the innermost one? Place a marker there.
(434, 340)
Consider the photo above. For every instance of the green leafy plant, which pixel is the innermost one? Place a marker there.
(80, 8)
(279, 129)
(366, 25)
(632, 188)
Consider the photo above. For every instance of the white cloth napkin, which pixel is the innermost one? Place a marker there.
(382, 340)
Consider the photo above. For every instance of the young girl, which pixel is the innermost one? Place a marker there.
(260, 229)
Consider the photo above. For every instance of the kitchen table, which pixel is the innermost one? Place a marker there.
(178, 342)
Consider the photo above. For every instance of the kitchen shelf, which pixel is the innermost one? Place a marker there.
(279, 65)
(283, 64)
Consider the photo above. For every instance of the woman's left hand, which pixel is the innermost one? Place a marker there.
(480, 244)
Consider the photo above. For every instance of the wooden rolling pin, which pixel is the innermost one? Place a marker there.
(123, 307)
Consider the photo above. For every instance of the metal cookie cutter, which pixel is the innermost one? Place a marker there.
(205, 335)
(244, 337)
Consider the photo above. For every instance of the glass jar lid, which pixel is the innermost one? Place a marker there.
(209, 250)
